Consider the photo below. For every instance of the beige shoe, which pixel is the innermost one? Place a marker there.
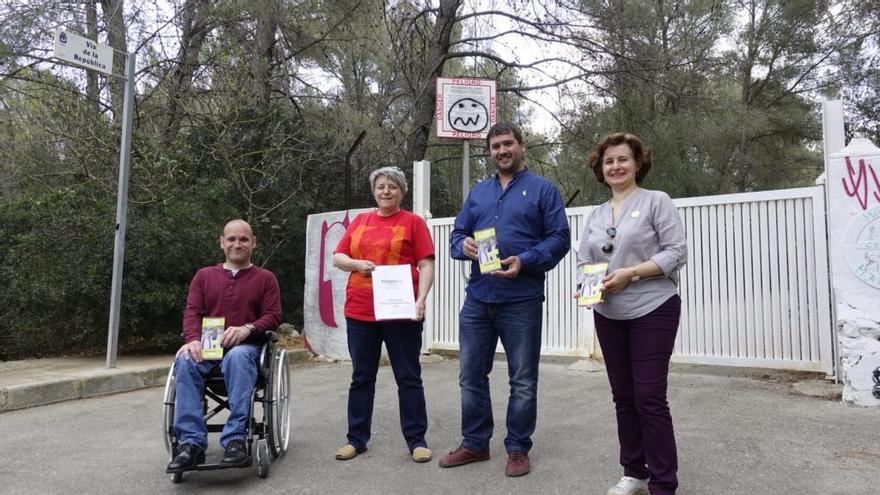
(421, 454)
(346, 452)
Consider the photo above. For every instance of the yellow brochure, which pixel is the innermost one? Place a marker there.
(212, 337)
(591, 288)
(487, 250)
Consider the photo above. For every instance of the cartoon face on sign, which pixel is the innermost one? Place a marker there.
(468, 115)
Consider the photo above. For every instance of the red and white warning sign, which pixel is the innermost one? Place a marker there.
(466, 107)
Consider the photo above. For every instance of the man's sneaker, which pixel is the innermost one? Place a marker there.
(629, 486)
(517, 464)
(235, 453)
(461, 456)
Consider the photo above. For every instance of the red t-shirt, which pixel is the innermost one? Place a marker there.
(400, 239)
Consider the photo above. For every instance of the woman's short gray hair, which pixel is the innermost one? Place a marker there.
(393, 173)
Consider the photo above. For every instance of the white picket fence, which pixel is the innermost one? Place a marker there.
(755, 290)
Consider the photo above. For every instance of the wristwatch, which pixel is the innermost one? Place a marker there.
(250, 327)
(635, 276)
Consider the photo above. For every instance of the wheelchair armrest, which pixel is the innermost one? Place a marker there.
(267, 349)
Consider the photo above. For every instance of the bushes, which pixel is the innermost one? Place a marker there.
(56, 268)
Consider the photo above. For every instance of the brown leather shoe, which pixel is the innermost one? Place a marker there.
(462, 456)
(517, 464)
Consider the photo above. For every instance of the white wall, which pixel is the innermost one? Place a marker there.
(854, 224)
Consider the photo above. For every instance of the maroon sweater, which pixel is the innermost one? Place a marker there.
(252, 296)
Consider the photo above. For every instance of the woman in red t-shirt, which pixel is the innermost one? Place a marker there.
(388, 235)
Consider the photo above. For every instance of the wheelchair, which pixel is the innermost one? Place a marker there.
(267, 437)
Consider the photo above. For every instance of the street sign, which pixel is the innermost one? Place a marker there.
(83, 52)
(466, 107)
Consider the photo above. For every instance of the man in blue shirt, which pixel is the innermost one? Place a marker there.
(532, 232)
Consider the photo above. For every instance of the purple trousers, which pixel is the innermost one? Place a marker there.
(637, 355)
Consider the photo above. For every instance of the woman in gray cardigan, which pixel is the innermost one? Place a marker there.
(639, 234)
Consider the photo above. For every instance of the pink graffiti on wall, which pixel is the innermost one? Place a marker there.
(855, 184)
(325, 286)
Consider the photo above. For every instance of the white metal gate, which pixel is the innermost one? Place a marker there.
(755, 290)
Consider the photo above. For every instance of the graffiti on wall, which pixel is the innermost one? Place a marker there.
(324, 291)
(325, 284)
(876, 391)
(861, 183)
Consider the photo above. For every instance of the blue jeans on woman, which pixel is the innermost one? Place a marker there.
(239, 366)
(518, 325)
(403, 339)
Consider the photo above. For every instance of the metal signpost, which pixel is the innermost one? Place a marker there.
(82, 52)
(465, 109)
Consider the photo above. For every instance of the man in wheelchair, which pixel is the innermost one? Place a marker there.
(248, 299)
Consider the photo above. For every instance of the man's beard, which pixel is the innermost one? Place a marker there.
(510, 166)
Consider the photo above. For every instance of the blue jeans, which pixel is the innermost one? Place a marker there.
(239, 366)
(518, 325)
(403, 339)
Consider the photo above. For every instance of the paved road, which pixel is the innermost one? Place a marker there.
(737, 435)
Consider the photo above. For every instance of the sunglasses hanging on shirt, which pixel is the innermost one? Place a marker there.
(608, 247)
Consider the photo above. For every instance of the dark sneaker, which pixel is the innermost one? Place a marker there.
(235, 453)
(461, 456)
(517, 464)
(188, 456)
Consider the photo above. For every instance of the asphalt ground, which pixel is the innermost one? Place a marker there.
(739, 432)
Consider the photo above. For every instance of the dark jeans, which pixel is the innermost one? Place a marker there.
(637, 356)
(518, 325)
(403, 339)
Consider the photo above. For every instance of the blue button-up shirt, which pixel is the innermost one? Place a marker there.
(529, 221)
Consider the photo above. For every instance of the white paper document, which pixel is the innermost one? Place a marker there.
(393, 297)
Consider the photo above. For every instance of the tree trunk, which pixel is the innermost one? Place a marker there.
(92, 34)
(117, 38)
(195, 26)
(425, 100)
(264, 52)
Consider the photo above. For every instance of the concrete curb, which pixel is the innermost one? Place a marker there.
(94, 382)
(83, 385)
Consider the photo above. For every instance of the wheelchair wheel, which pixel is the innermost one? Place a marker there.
(262, 459)
(168, 414)
(277, 411)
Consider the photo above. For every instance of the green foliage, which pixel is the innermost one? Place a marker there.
(231, 121)
(713, 124)
(55, 269)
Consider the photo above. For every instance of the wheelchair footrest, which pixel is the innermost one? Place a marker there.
(210, 466)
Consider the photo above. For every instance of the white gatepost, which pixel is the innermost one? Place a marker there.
(833, 140)
(421, 191)
(854, 240)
